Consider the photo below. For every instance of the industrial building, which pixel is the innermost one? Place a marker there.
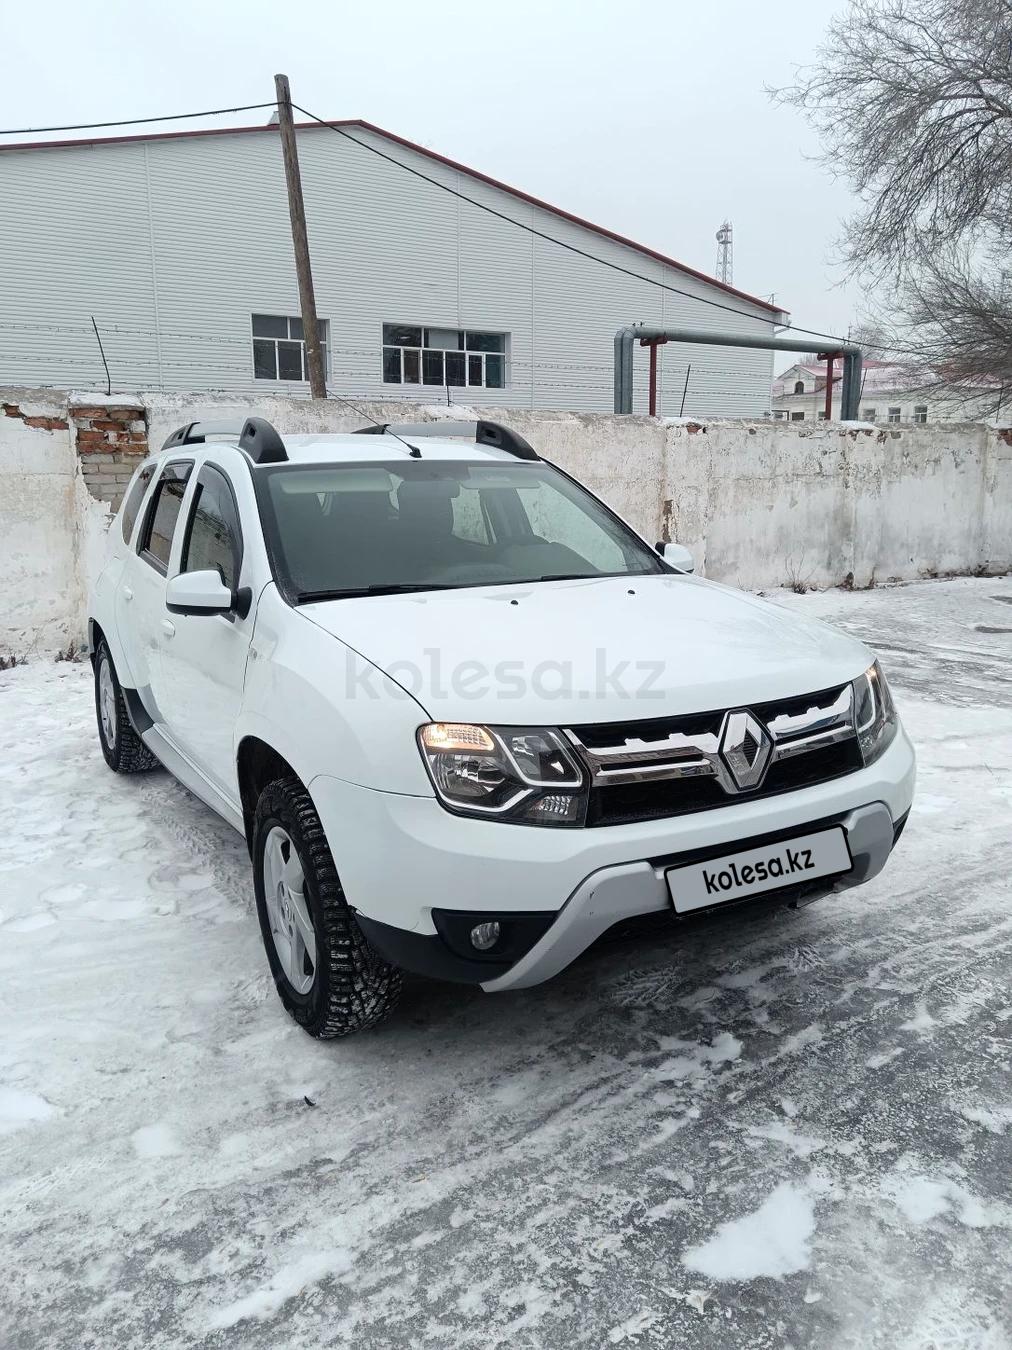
(168, 259)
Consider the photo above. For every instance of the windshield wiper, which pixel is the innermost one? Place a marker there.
(401, 588)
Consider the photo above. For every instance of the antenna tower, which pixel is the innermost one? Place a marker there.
(725, 254)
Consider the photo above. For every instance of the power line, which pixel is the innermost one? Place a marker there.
(482, 206)
(134, 121)
(572, 248)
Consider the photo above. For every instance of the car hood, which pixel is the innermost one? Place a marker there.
(595, 650)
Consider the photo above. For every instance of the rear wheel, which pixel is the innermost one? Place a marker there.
(329, 978)
(123, 749)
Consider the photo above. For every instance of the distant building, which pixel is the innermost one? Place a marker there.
(890, 392)
(179, 245)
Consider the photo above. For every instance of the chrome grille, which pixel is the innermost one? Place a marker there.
(685, 760)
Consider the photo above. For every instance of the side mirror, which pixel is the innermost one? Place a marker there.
(198, 593)
(677, 555)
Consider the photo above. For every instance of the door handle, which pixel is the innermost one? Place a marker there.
(127, 593)
(169, 629)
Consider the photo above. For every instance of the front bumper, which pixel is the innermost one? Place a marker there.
(400, 858)
(616, 894)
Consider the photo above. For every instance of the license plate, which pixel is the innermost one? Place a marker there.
(755, 870)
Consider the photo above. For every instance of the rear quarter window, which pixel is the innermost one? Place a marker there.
(133, 499)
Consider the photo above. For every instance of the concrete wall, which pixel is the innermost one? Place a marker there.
(49, 526)
(760, 504)
(772, 504)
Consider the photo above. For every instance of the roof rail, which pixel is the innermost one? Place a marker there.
(255, 435)
(261, 442)
(194, 433)
(480, 431)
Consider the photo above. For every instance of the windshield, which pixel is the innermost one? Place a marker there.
(360, 528)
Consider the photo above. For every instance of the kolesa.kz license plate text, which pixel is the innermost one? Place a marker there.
(759, 869)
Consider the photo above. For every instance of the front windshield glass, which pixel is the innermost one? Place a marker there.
(343, 529)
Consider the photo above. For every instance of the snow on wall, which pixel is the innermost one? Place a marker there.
(760, 504)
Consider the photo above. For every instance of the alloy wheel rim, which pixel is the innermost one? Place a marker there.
(288, 912)
(107, 703)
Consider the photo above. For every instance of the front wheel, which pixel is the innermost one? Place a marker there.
(329, 978)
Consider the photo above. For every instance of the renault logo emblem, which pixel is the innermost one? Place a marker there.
(745, 749)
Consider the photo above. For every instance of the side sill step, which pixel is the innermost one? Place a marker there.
(192, 778)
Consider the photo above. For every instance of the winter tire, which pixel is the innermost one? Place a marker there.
(328, 977)
(123, 749)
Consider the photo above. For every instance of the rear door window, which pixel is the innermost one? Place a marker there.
(155, 544)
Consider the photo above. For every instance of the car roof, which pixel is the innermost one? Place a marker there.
(349, 448)
(345, 448)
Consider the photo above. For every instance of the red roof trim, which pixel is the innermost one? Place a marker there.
(429, 154)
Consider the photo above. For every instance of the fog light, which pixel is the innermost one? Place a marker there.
(484, 936)
(554, 807)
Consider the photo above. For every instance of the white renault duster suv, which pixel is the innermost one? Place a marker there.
(466, 719)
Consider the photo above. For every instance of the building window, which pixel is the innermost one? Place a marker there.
(822, 414)
(920, 412)
(797, 417)
(779, 415)
(456, 357)
(279, 349)
(894, 414)
(799, 386)
(869, 414)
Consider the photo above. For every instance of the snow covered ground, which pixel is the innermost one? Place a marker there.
(787, 1130)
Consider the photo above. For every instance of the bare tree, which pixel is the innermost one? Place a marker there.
(913, 102)
(952, 320)
(870, 333)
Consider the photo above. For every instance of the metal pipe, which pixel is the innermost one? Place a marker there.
(653, 344)
(850, 394)
(848, 366)
(830, 360)
(623, 369)
(853, 411)
(625, 338)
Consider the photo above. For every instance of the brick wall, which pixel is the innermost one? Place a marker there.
(111, 438)
(39, 421)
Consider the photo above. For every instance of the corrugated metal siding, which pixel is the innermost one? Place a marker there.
(174, 244)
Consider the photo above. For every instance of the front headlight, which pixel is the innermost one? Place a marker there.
(875, 718)
(527, 775)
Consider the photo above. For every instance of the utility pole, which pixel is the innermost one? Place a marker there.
(300, 240)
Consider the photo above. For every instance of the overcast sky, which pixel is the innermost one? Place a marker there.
(647, 116)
